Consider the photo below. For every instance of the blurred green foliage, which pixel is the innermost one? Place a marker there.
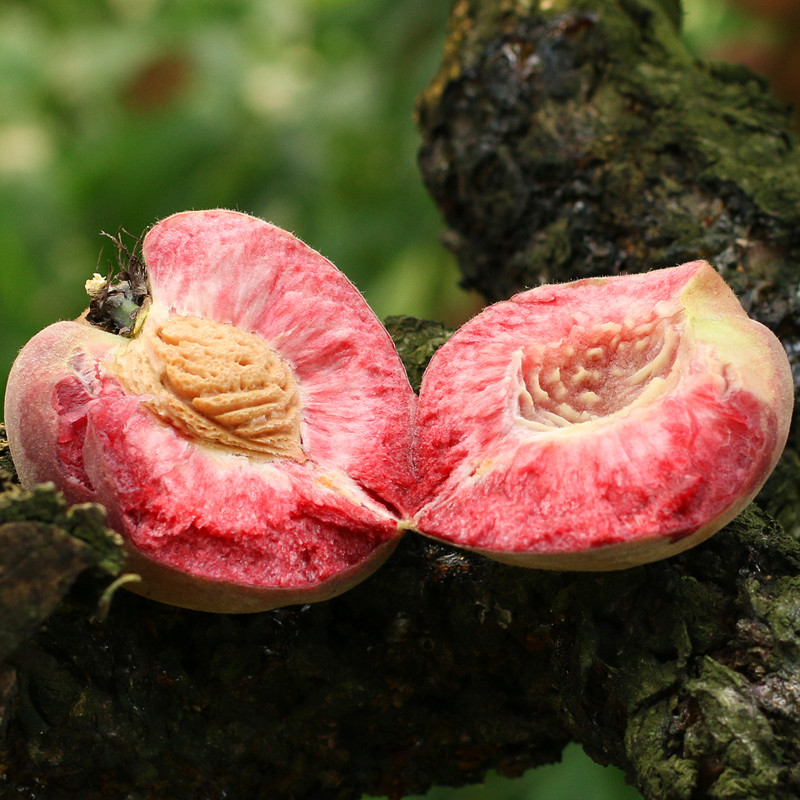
(709, 23)
(115, 113)
(575, 778)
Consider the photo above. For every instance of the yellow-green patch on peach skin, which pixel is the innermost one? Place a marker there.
(716, 317)
(758, 357)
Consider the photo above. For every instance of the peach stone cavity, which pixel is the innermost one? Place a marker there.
(596, 371)
(217, 384)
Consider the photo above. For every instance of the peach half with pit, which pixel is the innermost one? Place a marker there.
(249, 438)
(600, 424)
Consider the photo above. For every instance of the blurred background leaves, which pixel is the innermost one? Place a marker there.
(115, 113)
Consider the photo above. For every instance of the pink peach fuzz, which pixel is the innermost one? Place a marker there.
(600, 424)
(251, 442)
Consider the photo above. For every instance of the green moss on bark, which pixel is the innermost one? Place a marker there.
(441, 666)
(586, 140)
(416, 341)
(45, 544)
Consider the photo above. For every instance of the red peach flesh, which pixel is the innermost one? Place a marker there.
(600, 424)
(251, 442)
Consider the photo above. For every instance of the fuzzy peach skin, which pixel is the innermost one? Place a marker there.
(600, 424)
(206, 526)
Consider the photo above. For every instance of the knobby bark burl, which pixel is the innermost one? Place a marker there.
(684, 673)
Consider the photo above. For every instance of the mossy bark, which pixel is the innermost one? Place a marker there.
(684, 673)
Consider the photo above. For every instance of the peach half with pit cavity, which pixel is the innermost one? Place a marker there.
(600, 424)
(250, 438)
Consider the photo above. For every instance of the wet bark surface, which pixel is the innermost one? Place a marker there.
(442, 665)
(684, 673)
(553, 146)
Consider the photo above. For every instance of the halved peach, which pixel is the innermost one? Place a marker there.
(251, 440)
(600, 424)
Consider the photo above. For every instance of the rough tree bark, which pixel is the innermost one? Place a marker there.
(561, 138)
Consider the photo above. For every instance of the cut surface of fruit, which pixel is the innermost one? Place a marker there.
(600, 424)
(250, 440)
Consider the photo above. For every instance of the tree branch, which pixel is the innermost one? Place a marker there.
(442, 665)
(684, 673)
